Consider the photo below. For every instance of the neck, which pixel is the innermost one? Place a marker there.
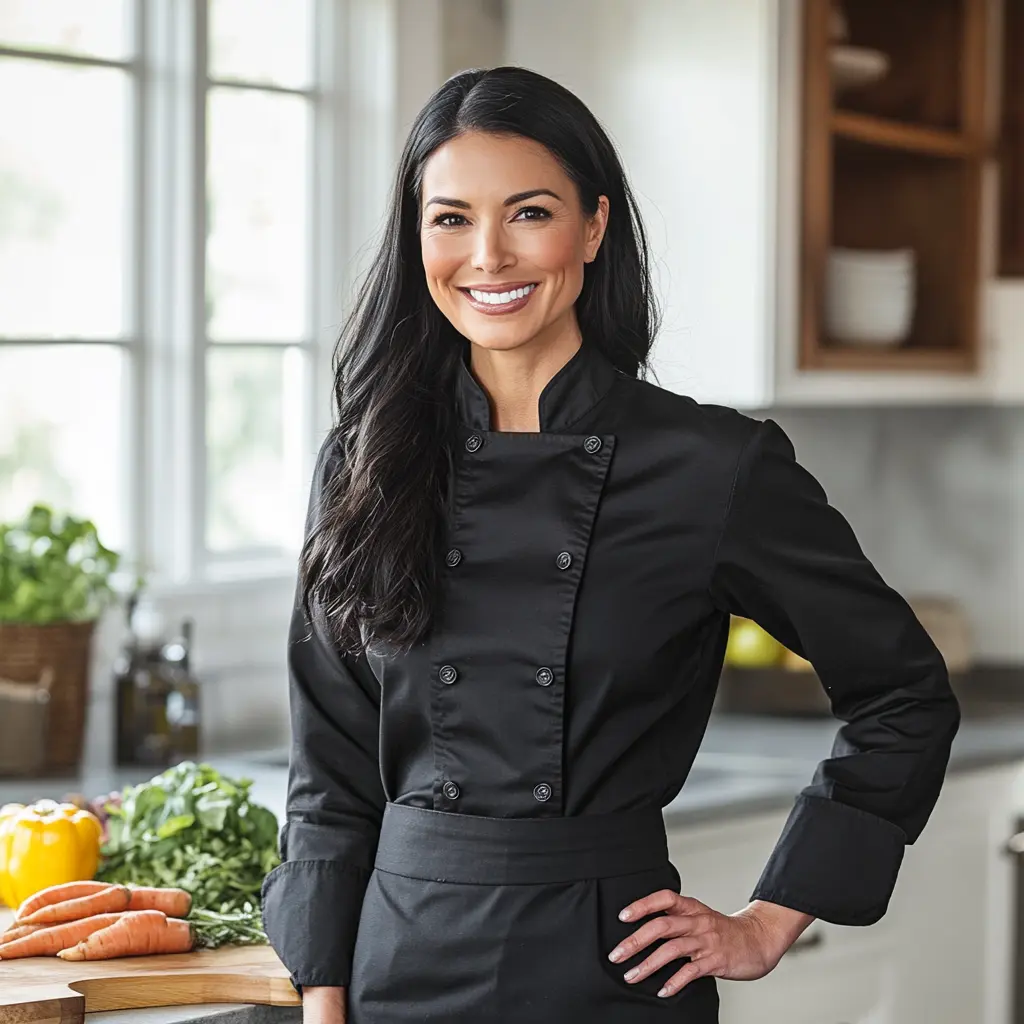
(514, 378)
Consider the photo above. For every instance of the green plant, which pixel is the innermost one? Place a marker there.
(193, 828)
(53, 569)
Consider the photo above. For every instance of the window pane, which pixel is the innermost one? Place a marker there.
(93, 28)
(254, 449)
(258, 236)
(262, 41)
(62, 433)
(63, 200)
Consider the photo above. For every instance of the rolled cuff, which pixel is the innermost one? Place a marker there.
(833, 861)
(310, 911)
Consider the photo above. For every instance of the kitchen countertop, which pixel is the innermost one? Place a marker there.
(747, 764)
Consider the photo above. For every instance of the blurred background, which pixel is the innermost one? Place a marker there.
(834, 191)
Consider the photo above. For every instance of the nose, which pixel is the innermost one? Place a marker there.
(491, 252)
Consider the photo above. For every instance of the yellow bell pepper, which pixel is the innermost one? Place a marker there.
(45, 843)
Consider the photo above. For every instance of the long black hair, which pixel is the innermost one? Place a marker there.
(370, 565)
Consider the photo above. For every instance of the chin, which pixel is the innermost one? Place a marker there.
(497, 339)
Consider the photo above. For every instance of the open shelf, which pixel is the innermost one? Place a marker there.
(910, 138)
(897, 164)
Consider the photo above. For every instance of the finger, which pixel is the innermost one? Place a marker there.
(687, 973)
(663, 899)
(665, 926)
(668, 951)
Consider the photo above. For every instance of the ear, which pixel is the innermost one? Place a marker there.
(596, 227)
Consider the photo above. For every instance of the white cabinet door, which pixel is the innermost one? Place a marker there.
(686, 88)
(953, 905)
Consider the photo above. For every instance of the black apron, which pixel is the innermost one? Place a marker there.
(469, 919)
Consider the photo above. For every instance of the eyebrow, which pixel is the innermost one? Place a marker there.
(516, 197)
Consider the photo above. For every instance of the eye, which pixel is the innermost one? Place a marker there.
(540, 212)
(443, 220)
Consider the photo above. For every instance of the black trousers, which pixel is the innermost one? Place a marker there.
(479, 920)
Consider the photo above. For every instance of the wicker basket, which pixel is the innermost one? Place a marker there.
(26, 652)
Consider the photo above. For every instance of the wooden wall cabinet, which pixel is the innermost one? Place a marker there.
(897, 163)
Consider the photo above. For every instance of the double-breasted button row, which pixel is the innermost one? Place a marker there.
(592, 443)
(542, 791)
(563, 560)
(448, 674)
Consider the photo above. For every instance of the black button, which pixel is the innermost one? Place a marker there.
(592, 444)
(564, 560)
(545, 676)
(473, 442)
(447, 674)
(542, 791)
(450, 790)
(453, 557)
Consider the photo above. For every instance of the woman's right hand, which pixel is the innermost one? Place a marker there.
(323, 1004)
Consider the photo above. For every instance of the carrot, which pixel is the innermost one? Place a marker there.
(48, 941)
(57, 894)
(108, 900)
(173, 902)
(137, 933)
(17, 931)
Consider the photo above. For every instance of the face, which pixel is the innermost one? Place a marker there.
(504, 239)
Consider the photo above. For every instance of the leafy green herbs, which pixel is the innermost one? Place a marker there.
(193, 828)
(53, 569)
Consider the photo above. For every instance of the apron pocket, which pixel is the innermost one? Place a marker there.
(610, 896)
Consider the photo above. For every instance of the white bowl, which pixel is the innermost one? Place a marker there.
(854, 66)
(870, 297)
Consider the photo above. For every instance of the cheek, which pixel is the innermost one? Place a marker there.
(557, 250)
(442, 257)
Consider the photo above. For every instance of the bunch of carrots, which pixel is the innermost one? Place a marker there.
(90, 920)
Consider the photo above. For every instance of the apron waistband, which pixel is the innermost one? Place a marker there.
(469, 848)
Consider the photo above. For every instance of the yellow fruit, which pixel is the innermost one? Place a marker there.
(751, 646)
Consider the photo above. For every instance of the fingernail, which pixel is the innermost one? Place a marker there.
(631, 973)
(624, 915)
(616, 953)
(663, 992)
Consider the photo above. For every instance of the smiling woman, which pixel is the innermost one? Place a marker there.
(514, 600)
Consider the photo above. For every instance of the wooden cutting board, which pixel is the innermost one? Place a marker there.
(48, 990)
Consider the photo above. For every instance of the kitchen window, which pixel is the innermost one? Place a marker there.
(169, 296)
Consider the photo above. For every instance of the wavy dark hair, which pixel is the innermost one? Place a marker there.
(370, 565)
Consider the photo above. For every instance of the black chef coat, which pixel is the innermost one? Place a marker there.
(592, 570)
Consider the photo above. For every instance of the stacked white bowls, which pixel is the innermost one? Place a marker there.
(869, 295)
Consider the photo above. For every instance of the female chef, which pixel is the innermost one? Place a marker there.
(513, 604)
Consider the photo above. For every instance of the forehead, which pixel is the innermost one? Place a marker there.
(478, 166)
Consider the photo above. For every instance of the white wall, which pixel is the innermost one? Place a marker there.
(936, 497)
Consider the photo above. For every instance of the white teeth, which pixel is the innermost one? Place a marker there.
(500, 298)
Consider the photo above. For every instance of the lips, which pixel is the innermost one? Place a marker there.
(500, 299)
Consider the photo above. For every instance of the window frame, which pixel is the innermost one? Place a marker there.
(166, 345)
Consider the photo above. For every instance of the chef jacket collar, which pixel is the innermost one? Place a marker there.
(573, 391)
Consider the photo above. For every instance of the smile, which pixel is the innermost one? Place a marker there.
(493, 302)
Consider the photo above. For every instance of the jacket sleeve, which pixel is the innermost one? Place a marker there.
(311, 902)
(788, 560)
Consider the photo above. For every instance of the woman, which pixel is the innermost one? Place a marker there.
(513, 606)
